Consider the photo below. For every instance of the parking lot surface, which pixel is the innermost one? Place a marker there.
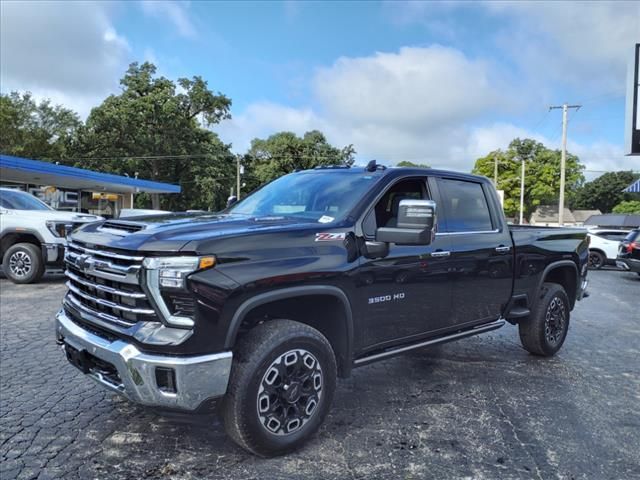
(477, 408)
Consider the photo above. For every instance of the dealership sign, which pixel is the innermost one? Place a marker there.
(632, 123)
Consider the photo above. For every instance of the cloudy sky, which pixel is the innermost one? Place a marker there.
(441, 83)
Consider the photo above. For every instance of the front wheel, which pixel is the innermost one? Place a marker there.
(282, 382)
(544, 332)
(23, 263)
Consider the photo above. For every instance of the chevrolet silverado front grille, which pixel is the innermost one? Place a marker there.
(104, 284)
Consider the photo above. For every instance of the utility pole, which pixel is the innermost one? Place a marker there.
(522, 193)
(495, 172)
(563, 157)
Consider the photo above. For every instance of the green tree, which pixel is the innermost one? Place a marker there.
(285, 152)
(35, 130)
(407, 163)
(605, 192)
(156, 130)
(628, 206)
(542, 174)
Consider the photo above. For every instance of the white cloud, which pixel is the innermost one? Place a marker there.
(173, 11)
(432, 105)
(414, 104)
(68, 52)
(583, 44)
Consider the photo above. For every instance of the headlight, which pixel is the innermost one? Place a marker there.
(59, 229)
(172, 271)
(169, 274)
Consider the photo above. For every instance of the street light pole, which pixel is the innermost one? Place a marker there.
(238, 177)
(495, 172)
(522, 193)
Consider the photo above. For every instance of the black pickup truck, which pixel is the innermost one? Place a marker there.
(263, 305)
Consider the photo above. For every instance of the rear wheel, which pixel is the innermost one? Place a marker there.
(544, 332)
(281, 386)
(22, 263)
(596, 259)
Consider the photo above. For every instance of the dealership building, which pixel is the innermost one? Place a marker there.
(76, 189)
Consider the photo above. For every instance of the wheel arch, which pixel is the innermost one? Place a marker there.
(323, 307)
(12, 236)
(564, 273)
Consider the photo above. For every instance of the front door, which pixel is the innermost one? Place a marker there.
(406, 294)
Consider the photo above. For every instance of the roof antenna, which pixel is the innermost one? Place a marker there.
(372, 166)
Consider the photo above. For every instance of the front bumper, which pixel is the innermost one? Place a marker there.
(197, 378)
(628, 264)
(53, 253)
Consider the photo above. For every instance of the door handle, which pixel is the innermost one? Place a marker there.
(503, 249)
(440, 253)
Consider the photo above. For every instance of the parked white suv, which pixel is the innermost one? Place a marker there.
(603, 248)
(32, 234)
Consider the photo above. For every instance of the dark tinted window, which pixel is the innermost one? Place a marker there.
(465, 206)
(385, 213)
(616, 236)
(633, 235)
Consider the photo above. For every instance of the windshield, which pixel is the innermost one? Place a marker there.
(17, 200)
(321, 197)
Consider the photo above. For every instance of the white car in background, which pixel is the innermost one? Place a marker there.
(603, 248)
(32, 235)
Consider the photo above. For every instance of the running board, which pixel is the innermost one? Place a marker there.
(487, 327)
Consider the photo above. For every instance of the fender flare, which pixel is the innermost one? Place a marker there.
(292, 292)
(552, 266)
(23, 231)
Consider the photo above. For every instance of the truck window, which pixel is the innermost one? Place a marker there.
(385, 212)
(465, 206)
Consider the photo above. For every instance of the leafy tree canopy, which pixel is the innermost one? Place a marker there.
(542, 174)
(157, 130)
(629, 206)
(407, 163)
(285, 152)
(35, 130)
(605, 192)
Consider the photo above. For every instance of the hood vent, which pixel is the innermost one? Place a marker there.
(120, 226)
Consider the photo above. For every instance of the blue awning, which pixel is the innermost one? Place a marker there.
(24, 170)
(634, 187)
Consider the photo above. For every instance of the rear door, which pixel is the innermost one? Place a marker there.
(481, 250)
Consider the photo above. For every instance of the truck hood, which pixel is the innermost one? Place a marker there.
(56, 215)
(171, 233)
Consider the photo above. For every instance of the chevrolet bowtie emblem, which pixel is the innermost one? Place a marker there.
(83, 262)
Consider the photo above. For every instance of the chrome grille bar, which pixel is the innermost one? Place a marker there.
(105, 253)
(104, 288)
(102, 315)
(108, 303)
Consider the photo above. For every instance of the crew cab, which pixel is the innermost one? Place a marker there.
(32, 235)
(263, 305)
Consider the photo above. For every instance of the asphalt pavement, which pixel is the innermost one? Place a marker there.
(479, 408)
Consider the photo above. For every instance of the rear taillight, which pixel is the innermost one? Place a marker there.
(632, 246)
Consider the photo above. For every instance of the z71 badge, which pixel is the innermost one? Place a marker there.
(330, 237)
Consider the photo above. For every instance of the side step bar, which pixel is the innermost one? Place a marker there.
(487, 327)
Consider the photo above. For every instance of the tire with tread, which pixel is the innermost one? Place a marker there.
(532, 330)
(597, 259)
(253, 355)
(35, 256)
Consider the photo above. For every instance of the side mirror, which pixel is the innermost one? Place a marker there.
(231, 200)
(416, 224)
